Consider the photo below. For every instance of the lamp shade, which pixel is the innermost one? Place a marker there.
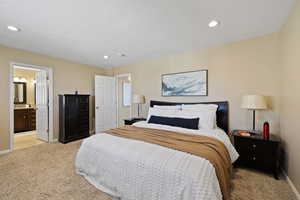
(137, 98)
(254, 102)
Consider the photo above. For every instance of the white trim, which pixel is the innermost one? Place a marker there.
(5, 152)
(11, 100)
(51, 105)
(291, 184)
(117, 94)
(11, 107)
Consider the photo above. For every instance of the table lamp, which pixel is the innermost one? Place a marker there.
(138, 99)
(254, 102)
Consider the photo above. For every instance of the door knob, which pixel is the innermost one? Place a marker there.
(97, 107)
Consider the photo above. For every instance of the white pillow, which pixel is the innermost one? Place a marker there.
(176, 107)
(207, 118)
(162, 112)
(200, 107)
(203, 107)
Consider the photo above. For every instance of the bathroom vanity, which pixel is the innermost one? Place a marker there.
(24, 119)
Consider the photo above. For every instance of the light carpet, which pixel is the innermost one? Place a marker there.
(47, 171)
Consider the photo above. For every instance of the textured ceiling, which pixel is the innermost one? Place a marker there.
(85, 30)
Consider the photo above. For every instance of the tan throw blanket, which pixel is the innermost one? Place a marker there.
(202, 146)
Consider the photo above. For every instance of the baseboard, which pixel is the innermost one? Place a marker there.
(5, 152)
(291, 184)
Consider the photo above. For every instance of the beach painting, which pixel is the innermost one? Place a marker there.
(185, 84)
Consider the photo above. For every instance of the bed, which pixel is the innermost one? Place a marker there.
(131, 169)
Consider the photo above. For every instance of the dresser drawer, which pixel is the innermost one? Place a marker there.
(246, 144)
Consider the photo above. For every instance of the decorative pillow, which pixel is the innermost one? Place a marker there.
(174, 121)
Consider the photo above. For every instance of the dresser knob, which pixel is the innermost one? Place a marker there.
(254, 158)
(254, 146)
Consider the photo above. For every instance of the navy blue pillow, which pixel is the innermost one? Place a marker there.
(174, 121)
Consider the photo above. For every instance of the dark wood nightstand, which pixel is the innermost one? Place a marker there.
(256, 152)
(133, 120)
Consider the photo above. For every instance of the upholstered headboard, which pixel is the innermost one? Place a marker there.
(222, 112)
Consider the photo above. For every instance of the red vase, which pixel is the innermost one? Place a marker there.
(266, 131)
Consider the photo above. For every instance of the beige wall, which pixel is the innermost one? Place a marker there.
(68, 77)
(290, 99)
(30, 77)
(247, 67)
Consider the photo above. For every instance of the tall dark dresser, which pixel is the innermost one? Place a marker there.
(73, 117)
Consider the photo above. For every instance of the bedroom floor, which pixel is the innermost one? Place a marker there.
(46, 171)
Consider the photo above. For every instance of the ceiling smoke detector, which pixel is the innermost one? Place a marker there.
(213, 24)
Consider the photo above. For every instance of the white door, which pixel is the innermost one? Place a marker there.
(105, 103)
(42, 117)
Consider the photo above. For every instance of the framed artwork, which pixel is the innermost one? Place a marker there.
(185, 84)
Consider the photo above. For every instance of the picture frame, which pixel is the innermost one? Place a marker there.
(191, 83)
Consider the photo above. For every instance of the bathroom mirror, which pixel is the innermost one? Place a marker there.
(19, 93)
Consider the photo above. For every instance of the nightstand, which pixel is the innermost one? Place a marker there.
(258, 153)
(133, 120)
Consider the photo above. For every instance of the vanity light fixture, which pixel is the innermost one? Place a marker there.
(16, 79)
(23, 80)
(106, 57)
(20, 79)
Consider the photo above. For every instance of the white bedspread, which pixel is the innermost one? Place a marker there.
(135, 170)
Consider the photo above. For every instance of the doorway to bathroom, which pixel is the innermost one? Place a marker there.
(30, 94)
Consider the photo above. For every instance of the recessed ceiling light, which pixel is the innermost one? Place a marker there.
(213, 24)
(13, 28)
(105, 57)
